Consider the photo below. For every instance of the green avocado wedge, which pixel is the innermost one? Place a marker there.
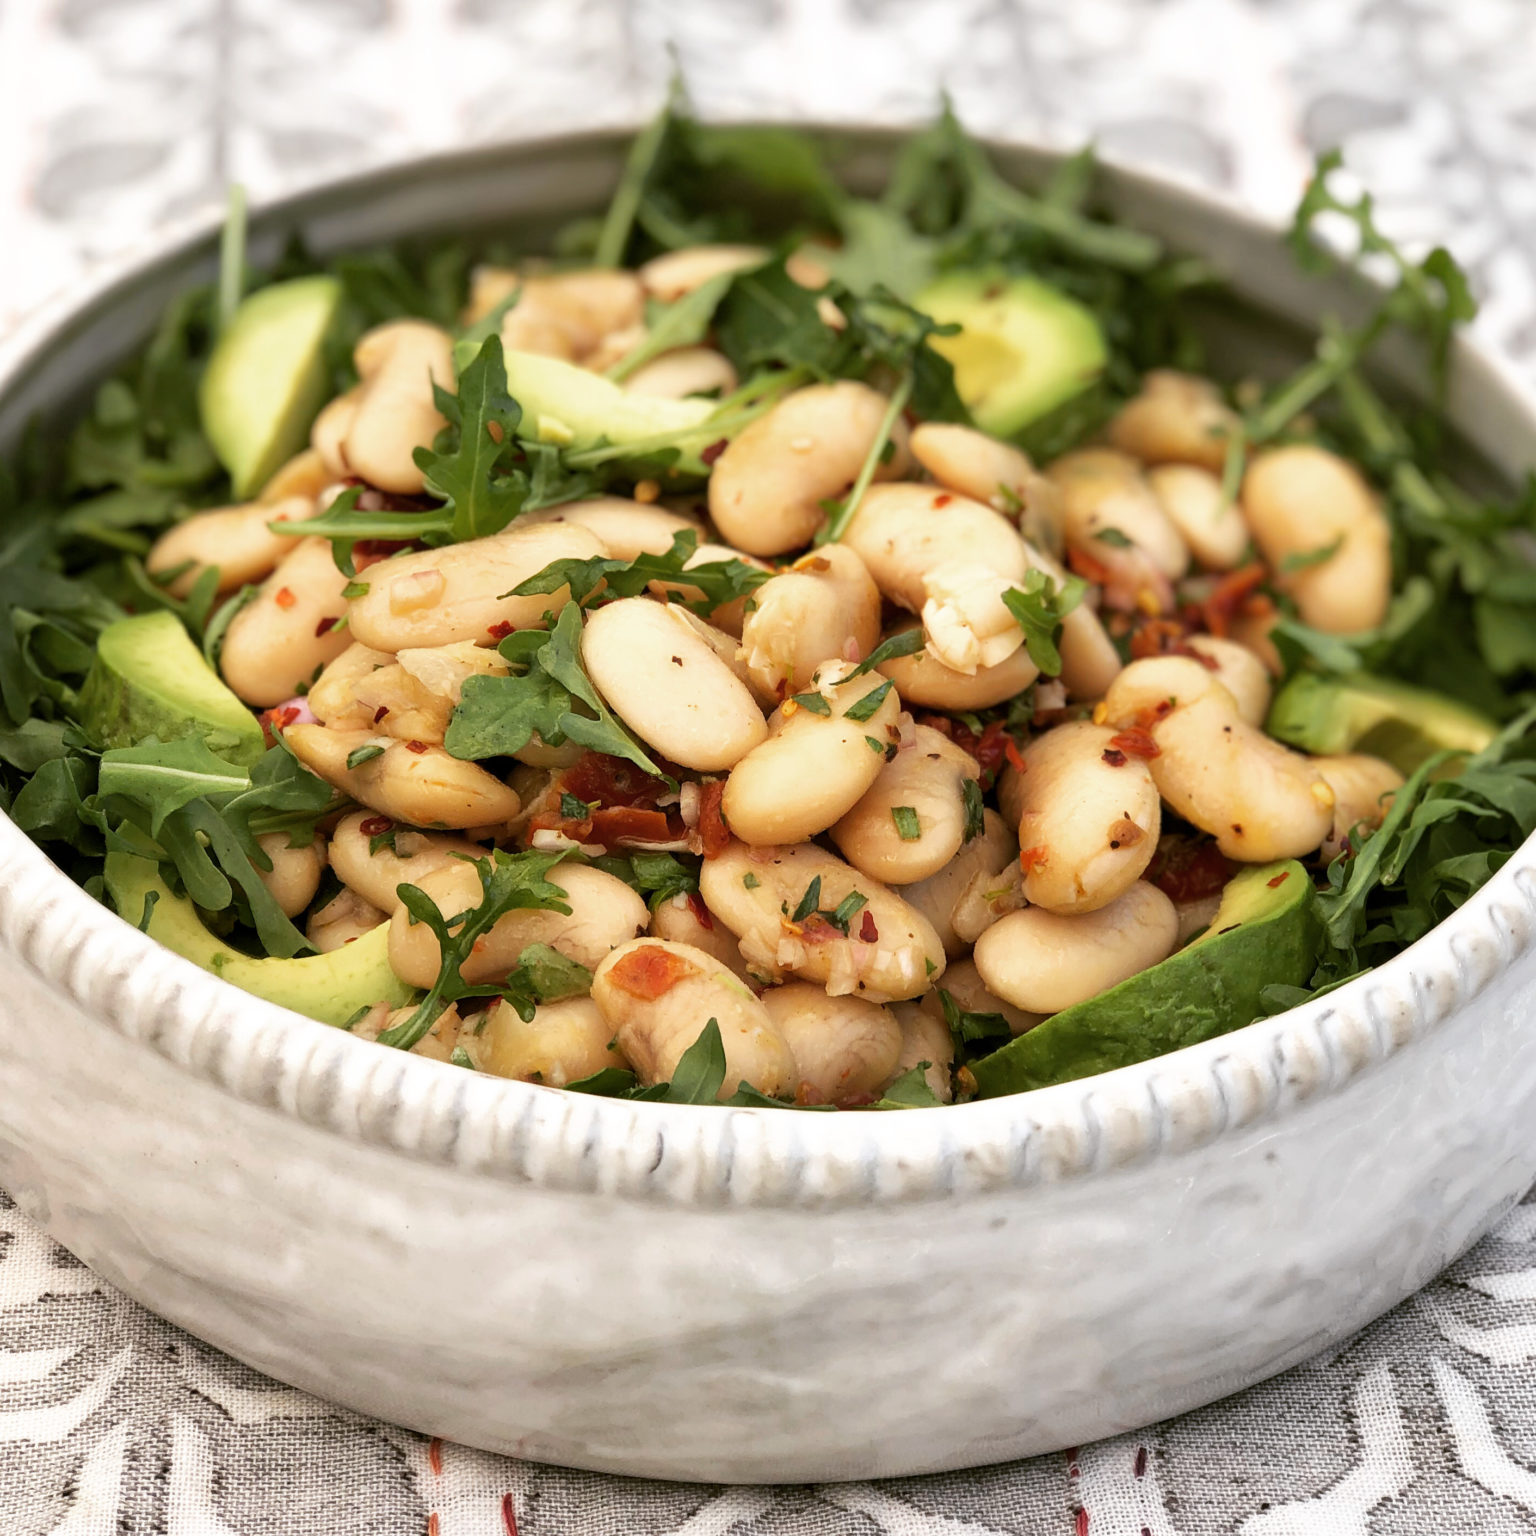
(330, 988)
(575, 408)
(1266, 931)
(1364, 713)
(149, 679)
(1023, 347)
(267, 378)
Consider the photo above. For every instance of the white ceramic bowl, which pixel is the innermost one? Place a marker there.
(746, 1294)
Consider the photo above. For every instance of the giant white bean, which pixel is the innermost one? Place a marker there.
(845, 1048)
(626, 528)
(767, 487)
(814, 767)
(235, 539)
(376, 861)
(1362, 787)
(923, 679)
(1089, 818)
(912, 820)
(564, 1042)
(891, 950)
(936, 897)
(669, 686)
(396, 413)
(1177, 418)
(461, 592)
(1044, 961)
(1209, 523)
(659, 996)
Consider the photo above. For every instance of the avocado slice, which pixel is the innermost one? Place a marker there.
(1363, 713)
(267, 378)
(575, 408)
(330, 988)
(1266, 931)
(149, 679)
(1023, 347)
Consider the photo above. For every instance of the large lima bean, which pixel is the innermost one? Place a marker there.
(845, 1048)
(375, 868)
(564, 1042)
(236, 540)
(1045, 961)
(669, 685)
(937, 896)
(438, 596)
(396, 413)
(408, 781)
(605, 913)
(1177, 418)
(1089, 818)
(767, 488)
(658, 996)
(752, 890)
(910, 823)
(813, 768)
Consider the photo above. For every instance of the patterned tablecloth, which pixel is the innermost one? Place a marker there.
(116, 114)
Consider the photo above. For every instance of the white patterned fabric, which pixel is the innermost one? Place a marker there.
(118, 114)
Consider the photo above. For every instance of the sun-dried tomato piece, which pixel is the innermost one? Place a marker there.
(1031, 859)
(1230, 596)
(612, 824)
(701, 914)
(284, 597)
(712, 829)
(1189, 868)
(602, 780)
(650, 972)
(1136, 741)
(375, 826)
(499, 630)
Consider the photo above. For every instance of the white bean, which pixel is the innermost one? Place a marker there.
(1239, 671)
(333, 699)
(345, 918)
(626, 528)
(964, 984)
(965, 460)
(305, 476)
(398, 363)
(659, 997)
(923, 679)
(825, 607)
(903, 531)
(966, 624)
(845, 1048)
(404, 856)
(564, 1042)
(328, 436)
(605, 913)
(438, 596)
(669, 686)
(911, 821)
(682, 372)
(674, 273)
(295, 873)
(755, 893)
(686, 920)
(768, 485)
(562, 314)
(1043, 961)
(1303, 502)
(937, 896)
(1105, 496)
(925, 1042)
(235, 539)
(424, 788)
(1257, 798)
(1209, 523)
(1363, 787)
(280, 641)
(1177, 418)
(813, 768)
(1089, 818)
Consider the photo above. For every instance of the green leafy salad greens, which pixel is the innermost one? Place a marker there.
(79, 515)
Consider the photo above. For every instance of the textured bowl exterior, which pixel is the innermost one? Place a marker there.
(746, 1295)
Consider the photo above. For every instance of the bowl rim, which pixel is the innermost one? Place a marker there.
(527, 1133)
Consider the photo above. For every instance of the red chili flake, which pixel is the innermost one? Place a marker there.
(1114, 757)
(701, 913)
(418, 747)
(713, 452)
(277, 719)
(509, 1513)
(500, 629)
(1148, 717)
(325, 626)
(1012, 753)
(433, 1527)
(650, 972)
(1137, 741)
(942, 500)
(1082, 1523)
(868, 933)
(1189, 868)
(1279, 879)
(1141, 1461)
(1032, 859)
(380, 712)
(712, 829)
(284, 597)
(375, 826)
(1231, 595)
(435, 1456)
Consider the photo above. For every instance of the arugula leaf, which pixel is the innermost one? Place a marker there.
(864, 709)
(767, 319)
(639, 166)
(701, 1070)
(508, 883)
(345, 526)
(975, 822)
(910, 1091)
(682, 323)
(966, 1028)
(1039, 608)
(656, 876)
(905, 642)
(543, 975)
(720, 581)
(469, 465)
